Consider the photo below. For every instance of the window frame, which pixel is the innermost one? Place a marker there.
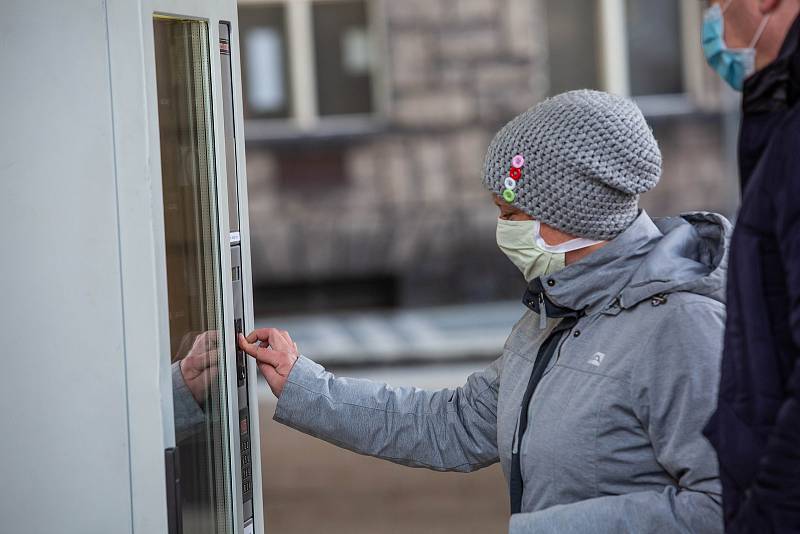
(304, 119)
(700, 92)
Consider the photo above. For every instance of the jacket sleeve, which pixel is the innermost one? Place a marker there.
(774, 497)
(189, 416)
(445, 430)
(674, 392)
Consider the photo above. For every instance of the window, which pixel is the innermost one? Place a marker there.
(342, 52)
(655, 60)
(265, 62)
(572, 38)
(647, 49)
(308, 61)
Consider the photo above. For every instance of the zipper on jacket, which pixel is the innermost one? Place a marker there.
(542, 313)
(556, 357)
(543, 356)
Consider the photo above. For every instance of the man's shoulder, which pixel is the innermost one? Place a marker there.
(787, 160)
(780, 172)
(787, 131)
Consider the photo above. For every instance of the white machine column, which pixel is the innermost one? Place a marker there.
(126, 404)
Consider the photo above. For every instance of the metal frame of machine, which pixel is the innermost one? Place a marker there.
(141, 226)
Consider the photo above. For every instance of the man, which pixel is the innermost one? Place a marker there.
(595, 409)
(755, 45)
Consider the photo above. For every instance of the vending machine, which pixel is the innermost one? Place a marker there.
(125, 190)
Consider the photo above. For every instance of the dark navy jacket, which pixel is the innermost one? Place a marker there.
(756, 428)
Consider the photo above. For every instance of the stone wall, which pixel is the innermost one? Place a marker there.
(412, 202)
(412, 206)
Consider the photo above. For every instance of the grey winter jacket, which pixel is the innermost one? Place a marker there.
(613, 442)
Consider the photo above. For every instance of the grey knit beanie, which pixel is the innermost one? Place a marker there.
(577, 161)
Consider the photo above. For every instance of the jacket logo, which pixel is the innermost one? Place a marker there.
(597, 359)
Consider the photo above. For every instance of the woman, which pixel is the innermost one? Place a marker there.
(596, 405)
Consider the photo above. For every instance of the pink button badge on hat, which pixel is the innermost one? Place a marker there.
(514, 174)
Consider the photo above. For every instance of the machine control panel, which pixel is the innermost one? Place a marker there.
(242, 391)
(236, 277)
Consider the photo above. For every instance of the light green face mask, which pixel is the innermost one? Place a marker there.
(516, 240)
(522, 242)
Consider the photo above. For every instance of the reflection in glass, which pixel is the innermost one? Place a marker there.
(343, 62)
(654, 47)
(265, 59)
(572, 44)
(193, 273)
(265, 62)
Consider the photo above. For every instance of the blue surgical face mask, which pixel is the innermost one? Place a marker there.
(733, 65)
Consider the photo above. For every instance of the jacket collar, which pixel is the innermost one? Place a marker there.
(776, 86)
(767, 96)
(594, 282)
(532, 300)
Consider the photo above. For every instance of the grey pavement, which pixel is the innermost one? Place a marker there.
(441, 334)
(313, 487)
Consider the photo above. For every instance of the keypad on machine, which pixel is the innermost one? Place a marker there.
(247, 466)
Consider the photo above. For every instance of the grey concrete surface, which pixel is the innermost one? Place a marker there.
(312, 487)
(444, 333)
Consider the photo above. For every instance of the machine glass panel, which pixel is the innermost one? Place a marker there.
(193, 274)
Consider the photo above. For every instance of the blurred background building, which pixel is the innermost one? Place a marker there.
(372, 236)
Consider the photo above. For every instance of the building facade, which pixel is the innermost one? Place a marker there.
(367, 122)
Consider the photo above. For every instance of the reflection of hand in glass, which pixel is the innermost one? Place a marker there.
(199, 367)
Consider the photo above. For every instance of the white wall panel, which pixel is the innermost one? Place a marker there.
(64, 413)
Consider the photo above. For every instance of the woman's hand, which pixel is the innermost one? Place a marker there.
(275, 353)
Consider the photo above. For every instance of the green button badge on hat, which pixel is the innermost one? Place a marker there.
(509, 195)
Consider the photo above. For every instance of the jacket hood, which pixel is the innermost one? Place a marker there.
(691, 255)
(652, 257)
